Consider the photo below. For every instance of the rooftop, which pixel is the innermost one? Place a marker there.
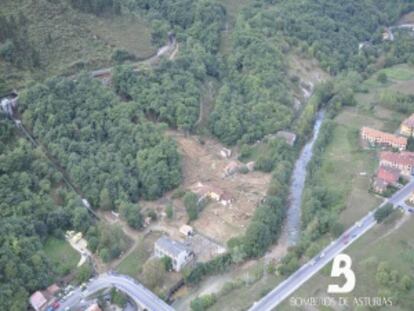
(37, 300)
(388, 175)
(171, 246)
(403, 158)
(376, 134)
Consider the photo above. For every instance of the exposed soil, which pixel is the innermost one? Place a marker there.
(203, 163)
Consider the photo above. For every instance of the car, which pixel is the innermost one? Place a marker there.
(345, 239)
(359, 224)
(322, 255)
(56, 304)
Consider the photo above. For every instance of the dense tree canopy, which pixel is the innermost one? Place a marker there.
(108, 150)
(33, 206)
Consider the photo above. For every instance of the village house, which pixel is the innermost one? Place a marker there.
(386, 176)
(407, 126)
(211, 192)
(38, 301)
(179, 253)
(41, 299)
(375, 137)
(403, 161)
(186, 230)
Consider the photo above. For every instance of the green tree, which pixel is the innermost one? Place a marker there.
(84, 273)
(382, 78)
(169, 210)
(105, 200)
(81, 220)
(383, 212)
(191, 205)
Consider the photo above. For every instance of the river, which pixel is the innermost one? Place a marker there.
(293, 222)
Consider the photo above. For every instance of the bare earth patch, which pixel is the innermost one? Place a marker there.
(203, 163)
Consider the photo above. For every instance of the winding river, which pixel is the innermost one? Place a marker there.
(293, 222)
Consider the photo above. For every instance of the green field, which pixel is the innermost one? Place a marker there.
(347, 170)
(68, 40)
(62, 256)
(397, 75)
(132, 264)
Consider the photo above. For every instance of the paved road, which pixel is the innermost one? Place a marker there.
(142, 297)
(287, 287)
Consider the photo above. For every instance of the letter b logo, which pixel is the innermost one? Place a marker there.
(342, 266)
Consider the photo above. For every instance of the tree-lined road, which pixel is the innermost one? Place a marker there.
(287, 287)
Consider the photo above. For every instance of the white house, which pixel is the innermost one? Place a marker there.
(179, 253)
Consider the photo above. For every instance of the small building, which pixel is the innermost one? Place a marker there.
(403, 161)
(225, 153)
(179, 253)
(38, 301)
(375, 137)
(407, 126)
(186, 230)
(205, 191)
(389, 175)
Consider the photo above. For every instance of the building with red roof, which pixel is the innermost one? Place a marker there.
(403, 161)
(386, 176)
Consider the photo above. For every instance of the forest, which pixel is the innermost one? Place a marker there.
(111, 152)
(34, 204)
(112, 144)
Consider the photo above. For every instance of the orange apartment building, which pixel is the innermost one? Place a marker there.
(376, 137)
(403, 161)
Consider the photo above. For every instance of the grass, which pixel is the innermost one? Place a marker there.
(132, 264)
(396, 74)
(346, 170)
(343, 161)
(366, 253)
(63, 257)
(67, 39)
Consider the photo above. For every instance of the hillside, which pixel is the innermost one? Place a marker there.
(66, 40)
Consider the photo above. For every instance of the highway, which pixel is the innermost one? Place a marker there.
(287, 287)
(142, 297)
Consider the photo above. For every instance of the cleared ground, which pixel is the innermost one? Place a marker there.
(203, 163)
